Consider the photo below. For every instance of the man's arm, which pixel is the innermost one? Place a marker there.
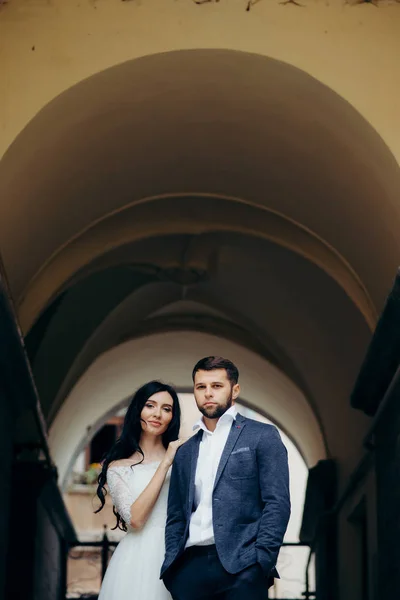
(274, 485)
(176, 520)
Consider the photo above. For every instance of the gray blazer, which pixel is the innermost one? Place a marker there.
(251, 502)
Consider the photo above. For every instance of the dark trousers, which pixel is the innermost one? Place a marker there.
(198, 574)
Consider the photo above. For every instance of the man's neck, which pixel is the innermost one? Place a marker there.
(211, 424)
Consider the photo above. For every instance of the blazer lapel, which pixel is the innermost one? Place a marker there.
(237, 427)
(193, 465)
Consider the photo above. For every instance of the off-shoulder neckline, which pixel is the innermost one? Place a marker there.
(142, 464)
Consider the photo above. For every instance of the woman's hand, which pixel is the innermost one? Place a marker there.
(171, 451)
(144, 504)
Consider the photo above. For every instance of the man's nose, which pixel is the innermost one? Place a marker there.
(208, 392)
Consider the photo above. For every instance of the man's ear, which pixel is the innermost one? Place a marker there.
(235, 391)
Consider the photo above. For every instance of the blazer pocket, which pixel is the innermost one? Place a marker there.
(242, 465)
(246, 449)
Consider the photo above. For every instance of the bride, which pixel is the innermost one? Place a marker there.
(137, 472)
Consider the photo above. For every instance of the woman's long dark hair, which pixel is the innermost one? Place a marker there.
(128, 442)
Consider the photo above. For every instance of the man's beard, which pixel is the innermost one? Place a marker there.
(217, 411)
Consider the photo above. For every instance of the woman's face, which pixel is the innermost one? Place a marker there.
(157, 413)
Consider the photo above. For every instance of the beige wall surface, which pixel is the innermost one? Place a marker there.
(46, 47)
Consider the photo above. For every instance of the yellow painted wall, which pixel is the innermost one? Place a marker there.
(46, 46)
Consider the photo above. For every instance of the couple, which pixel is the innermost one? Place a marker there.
(214, 524)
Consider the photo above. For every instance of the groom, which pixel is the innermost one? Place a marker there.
(229, 504)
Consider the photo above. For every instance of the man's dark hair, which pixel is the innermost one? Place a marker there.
(210, 363)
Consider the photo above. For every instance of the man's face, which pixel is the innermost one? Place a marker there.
(214, 392)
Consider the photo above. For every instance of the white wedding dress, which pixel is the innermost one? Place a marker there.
(134, 569)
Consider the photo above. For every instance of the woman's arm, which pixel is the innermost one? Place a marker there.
(136, 512)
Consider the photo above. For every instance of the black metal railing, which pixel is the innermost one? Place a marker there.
(307, 582)
(101, 554)
(102, 551)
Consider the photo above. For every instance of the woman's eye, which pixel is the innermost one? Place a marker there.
(149, 405)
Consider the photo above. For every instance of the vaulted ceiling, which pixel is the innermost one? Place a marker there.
(209, 191)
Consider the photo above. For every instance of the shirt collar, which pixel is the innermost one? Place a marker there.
(229, 415)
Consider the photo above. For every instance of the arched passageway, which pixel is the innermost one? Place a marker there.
(242, 222)
(170, 356)
(197, 200)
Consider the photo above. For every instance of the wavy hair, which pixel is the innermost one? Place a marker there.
(129, 441)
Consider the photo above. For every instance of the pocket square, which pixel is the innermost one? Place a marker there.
(246, 449)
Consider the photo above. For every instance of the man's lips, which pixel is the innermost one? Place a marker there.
(210, 404)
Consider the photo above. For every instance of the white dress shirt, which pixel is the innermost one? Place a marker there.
(201, 531)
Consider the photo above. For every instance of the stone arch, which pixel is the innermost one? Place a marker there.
(115, 374)
(155, 217)
(256, 124)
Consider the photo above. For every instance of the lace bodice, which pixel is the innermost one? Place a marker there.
(136, 562)
(126, 483)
